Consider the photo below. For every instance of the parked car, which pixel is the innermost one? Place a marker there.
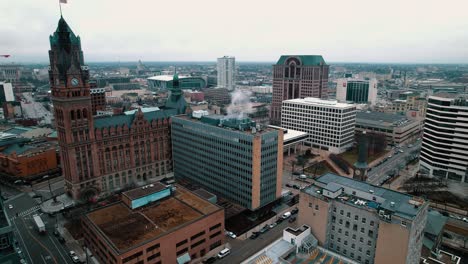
(61, 239)
(289, 185)
(294, 211)
(279, 220)
(292, 219)
(74, 257)
(254, 235)
(230, 234)
(296, 173)
(10, 206)
(209, 260)
(224, 253)
(264, 229)
(273, 225)
(295, 186)
(286, 215)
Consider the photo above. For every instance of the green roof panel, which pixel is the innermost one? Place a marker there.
(306, 60)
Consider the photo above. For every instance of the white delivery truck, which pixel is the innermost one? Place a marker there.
(39, 223)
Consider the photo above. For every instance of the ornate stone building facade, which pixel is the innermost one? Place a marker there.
(102, 155)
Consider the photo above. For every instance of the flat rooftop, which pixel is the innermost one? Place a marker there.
(382, 119)
(320, 102)
(166, 78)
(291, 134)
(140, 192)
(125, 229)
(400, 204)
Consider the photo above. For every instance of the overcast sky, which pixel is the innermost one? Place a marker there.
(405, 31)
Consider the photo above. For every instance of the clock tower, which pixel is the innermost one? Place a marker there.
(69, 82)
(361, 167)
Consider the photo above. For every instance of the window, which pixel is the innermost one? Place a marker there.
(339, 239)
(341, 212)
(310, 205)
(181, 243)
(182, 251)
(316, 207)
(362, 229)
(370, 233)
(348, 214)
(339, 230)
(344, 251)
(152, 247)
(354, 236)
(353, 246)
(346, 233)
(371, 223)
(197, 235)
(361, 240)
(359, 258)
(341, 221)
(331, 245)
(352, 255)
(198, 243)
(346, 242)
(332, 236)
(369, 243)
(338, 248)
(403, 223)
(360, 249)
(363, 220)
(334, 209)
(215, 234)
(368, 253)
(355, 227)
(347, 224)
(215, 226)
(356, 217)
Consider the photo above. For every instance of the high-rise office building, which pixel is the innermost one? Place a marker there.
(330, 124)
(6, 92)
(102, 155)
(227, 72)
(363, 222)
(229, 157)
(444, 150)
(297, 76)
(359, 91)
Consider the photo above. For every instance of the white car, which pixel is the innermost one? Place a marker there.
(230, 234)
(464, 219)
(10, 206)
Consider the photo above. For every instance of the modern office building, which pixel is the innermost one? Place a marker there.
(6, 92)
(217, 95)
(397, 128)
(164, 82)
(444, 150)
(330, 124)
(103, 155)
(359, 91)
(227, 72)
(154, 224)
(363, 222)
(229, 157)
(298, 76)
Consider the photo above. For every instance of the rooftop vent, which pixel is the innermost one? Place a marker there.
(371, 191)
(392, 204)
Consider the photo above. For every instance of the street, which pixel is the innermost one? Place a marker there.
(33, 109)
(397, 161)
(33, 246)
(242, 249)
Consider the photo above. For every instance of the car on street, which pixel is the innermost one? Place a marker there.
(61, 239)
(224, 253)
(279, 220)
(273, 225)
(286, 215)
(10, 206)
(209, 260)
(296, 173)
(294, 211)
(389, 156)
(289, 185)
(295, 186)
(264, 229)
(254, 235)
(22, 261)
(292, 219)
(230, 234)
(464, 219)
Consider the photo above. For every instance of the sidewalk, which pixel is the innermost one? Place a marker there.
(50, 206)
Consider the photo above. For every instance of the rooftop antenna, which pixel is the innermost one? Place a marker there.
(60, 5)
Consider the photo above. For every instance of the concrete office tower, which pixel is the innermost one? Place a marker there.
(366, 223)
(444, 150)
(297, 76)
(229, 157)
(330, 124)
(227, 72)
(6, 92)
(359, 91)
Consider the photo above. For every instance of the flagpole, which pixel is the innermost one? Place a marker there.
(60, 6)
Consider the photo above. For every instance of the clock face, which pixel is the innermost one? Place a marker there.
(74, 82)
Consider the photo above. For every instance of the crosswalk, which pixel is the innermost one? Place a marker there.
(27, 212)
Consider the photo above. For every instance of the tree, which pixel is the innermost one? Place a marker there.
(302, 161)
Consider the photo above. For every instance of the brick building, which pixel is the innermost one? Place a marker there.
(102, 155)
(298, 77)
(154, 224)
(28, 160)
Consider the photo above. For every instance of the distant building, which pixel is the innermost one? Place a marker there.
(229, 157)
(217, 95)
(398, 129)
(359, 91)
(164, 82)
(329, 124)
(227, 72)
(154, 224)
(98, 99)
(363, 222)
(445, 140)
(6, 92)
(28, 160)
(194, 96)
(10, 72)
(298, 76)
(7, 236)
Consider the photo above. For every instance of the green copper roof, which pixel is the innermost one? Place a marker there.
(120, 120)
(306, 60)
(19, 149)
(435, 223)
(64, 30)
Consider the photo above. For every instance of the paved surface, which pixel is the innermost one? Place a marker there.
(33, 109)
(397, 161)
(34, 247)
(242, 249)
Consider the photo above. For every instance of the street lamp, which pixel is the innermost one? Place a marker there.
(50, 188)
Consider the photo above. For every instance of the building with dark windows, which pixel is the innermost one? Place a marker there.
(328, 123)
(103, 155)
(6, 233)
(359, 91)
(164, 82)
(217, 95)
(363, 222)
(298, 76)
(444, 150)
(154, 224)
(229, 157)
(6, 92)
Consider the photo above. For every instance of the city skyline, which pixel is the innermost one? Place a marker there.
(404, 33)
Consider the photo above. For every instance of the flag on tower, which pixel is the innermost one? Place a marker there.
(63, 1)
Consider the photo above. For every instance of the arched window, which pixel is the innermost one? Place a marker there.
(85, 113)
(78, 114)
(72, 115)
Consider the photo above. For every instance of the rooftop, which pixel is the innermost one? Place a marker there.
(399, 204)
(120, 120)
(143, 109)
(140, 192)
(291, 134)
(306, 60)
(382, 119)
(26, 149)
(319, 102)
(166, 78)
(125, 229)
